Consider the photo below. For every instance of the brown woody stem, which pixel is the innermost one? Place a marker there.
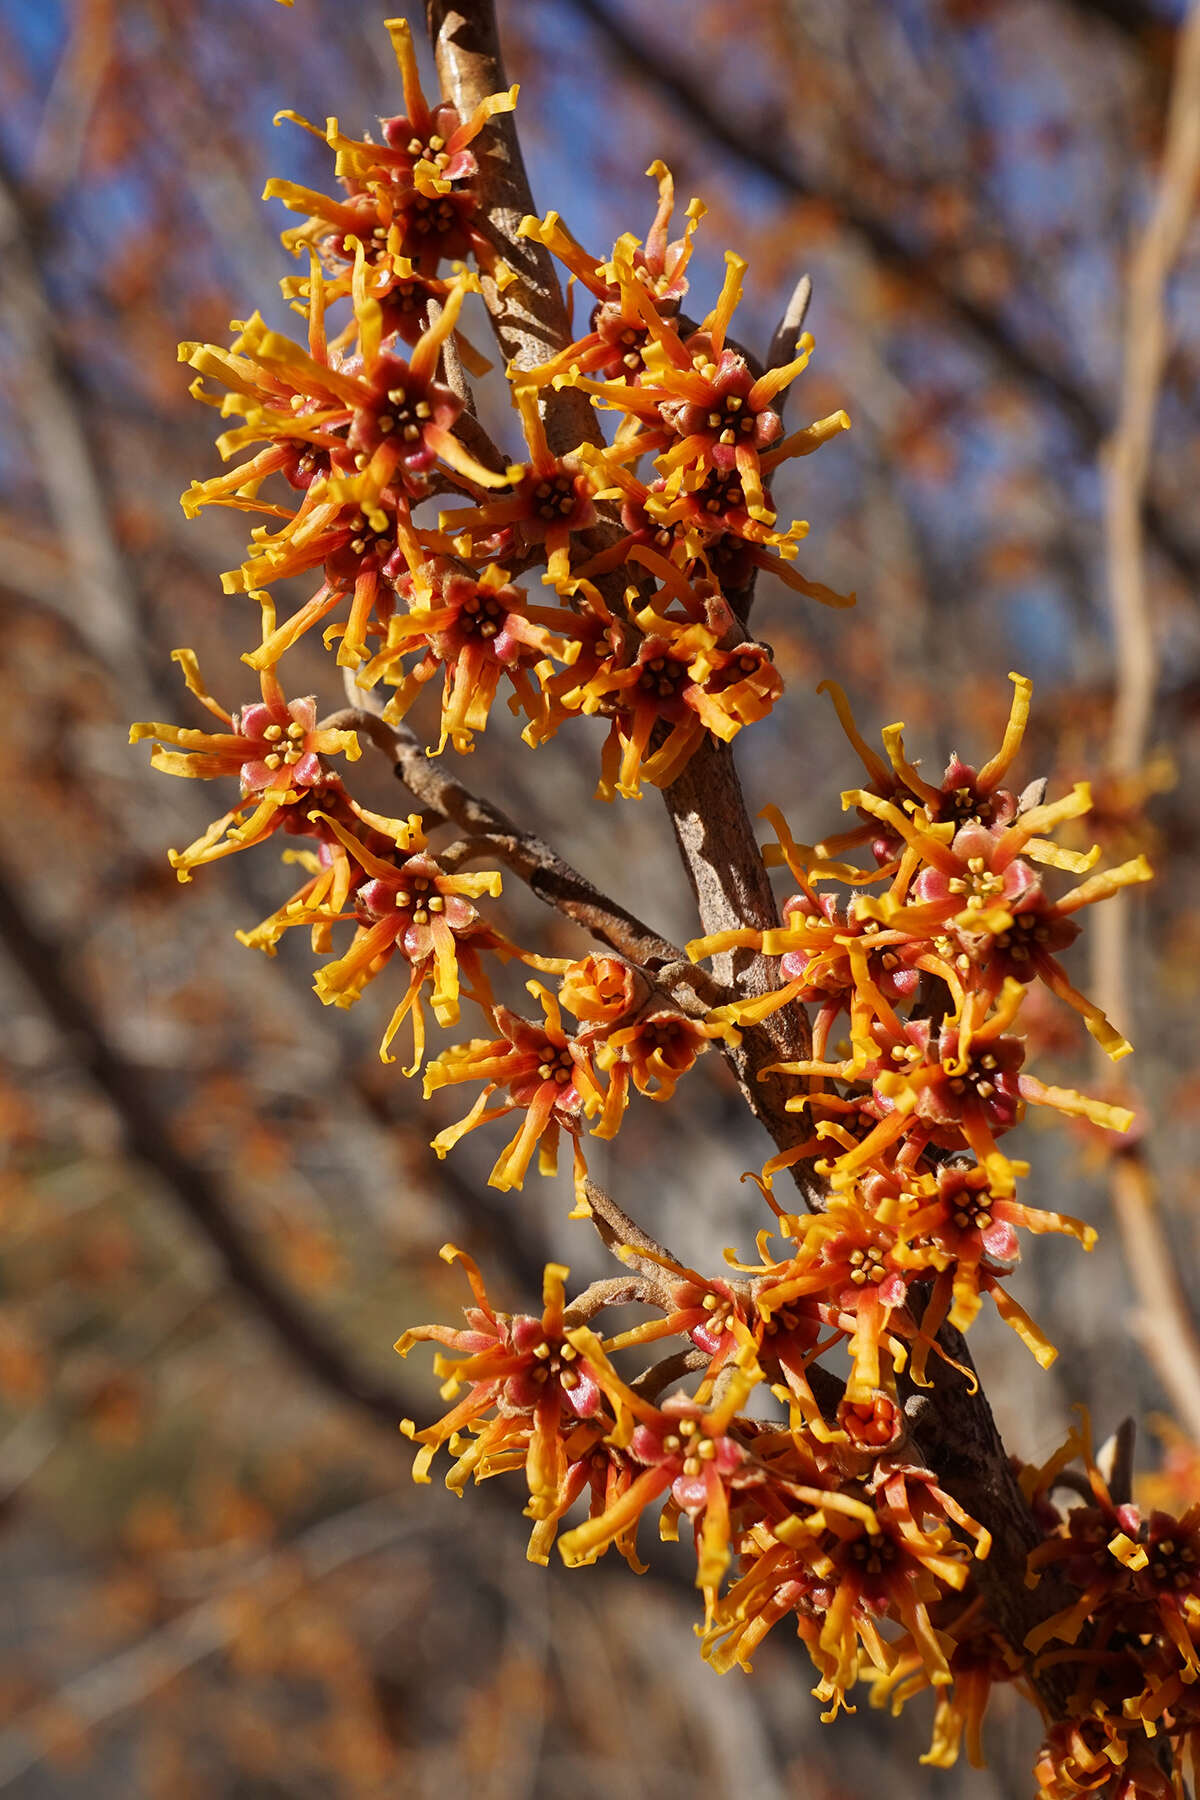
(716, 839)
(546, 873)
(733, 891)
(528, 315)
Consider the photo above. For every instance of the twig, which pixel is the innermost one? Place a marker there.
(546, 873)
(1128, 452)
(98, 599)
(1164, 1323)
(1114, 1459)
(612, 1290)
(786, 336)
(1145, 26)
(651, 1382)
(733, 891)
(620, 1234)
(127, 1680)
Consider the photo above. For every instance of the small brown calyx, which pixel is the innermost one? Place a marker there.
(873, 1554)
(972, 1208)
(558, 1067)
(1028, 931)
(433, 152)
(555, 1359)
(554, 497)
(982, 1073)
(425, 899)
(690, 1441)
(407, 297)
(662, 1033)
(978, 885)
(867, 1266)
(482, 616)
(1173, 1564)
(408, 418)
(720, 493)
(431, 217)
(720, 1310)
(663, 676)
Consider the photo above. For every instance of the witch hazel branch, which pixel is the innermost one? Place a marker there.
(804, 1417)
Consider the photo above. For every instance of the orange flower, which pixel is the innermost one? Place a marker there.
(979, 1660)
(685, 1446)
(551, 500)
(615, 343)
(528, 1389)
(410, 196)
(549, 1078)
(638, 1036)
(696, 400)
(410, 906)
(682, 676)
(275, 748)
(476, 630)
(706, 534)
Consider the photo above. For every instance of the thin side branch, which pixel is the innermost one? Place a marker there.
(724, 866)
(97, 601)
(785, 339)
(620, 1234)
(546, 873)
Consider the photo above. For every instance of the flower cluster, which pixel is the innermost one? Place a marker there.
(927, 979)
(367, 421)
(1131, 1631)
(805, 1492)
(334, 444)
(629, 1034)
(827, 1528)
(828, 1517)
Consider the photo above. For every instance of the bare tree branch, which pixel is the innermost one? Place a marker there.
(1145, 26)
(733, 891)
(102, 1694)
(97, 597)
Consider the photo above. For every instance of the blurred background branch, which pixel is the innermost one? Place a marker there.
(1165, 1324)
